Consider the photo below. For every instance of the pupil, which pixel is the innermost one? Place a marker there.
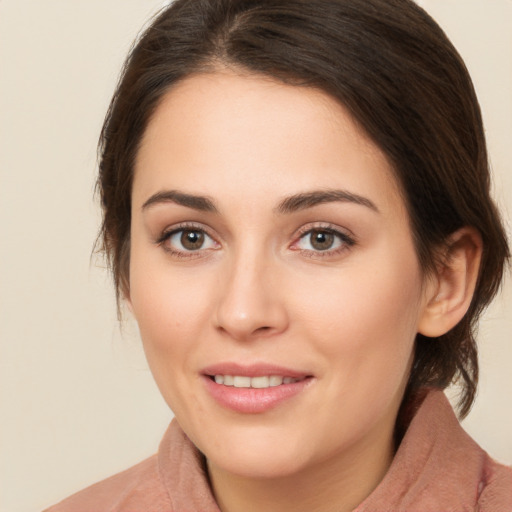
(322, 240)
(192, 239)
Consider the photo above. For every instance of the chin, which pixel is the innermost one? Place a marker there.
(255, 451)
(258, 465)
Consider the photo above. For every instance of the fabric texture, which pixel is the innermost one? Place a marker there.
(437, 468)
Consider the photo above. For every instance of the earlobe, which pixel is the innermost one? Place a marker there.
(450, 292)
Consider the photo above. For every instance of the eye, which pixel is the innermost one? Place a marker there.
(187, 240)
(323, 240)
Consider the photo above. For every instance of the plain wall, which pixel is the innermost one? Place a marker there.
(77, 400)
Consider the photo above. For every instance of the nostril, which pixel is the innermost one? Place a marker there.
(263, 329)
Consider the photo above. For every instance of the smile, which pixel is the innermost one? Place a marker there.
(260, 382)
(255, 388)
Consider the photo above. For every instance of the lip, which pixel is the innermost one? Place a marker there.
(252, 370)
(252, 400)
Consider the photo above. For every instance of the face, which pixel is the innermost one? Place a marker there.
(273, 275)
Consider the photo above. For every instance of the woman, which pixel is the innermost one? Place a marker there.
(297, 212)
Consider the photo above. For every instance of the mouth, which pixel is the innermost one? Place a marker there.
(255, 388)
(260, 382)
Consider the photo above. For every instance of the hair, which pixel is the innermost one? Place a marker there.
(396, 72)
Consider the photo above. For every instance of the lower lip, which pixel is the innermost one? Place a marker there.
(253, 400)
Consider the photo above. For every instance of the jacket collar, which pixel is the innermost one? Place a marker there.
(437, 467)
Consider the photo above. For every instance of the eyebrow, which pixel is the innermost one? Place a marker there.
(306, 200)
(297, 202)
(201, 203)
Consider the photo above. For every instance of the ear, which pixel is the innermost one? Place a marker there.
(450, 290)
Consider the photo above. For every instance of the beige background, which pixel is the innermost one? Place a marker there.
(77, 400)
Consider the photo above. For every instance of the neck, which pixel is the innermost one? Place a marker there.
(338, 484)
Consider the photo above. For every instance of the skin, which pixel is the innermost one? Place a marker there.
(257, 290)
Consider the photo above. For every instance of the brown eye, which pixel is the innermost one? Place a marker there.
(188, 240)
(321, 240)
(324, 240)
(192, 240)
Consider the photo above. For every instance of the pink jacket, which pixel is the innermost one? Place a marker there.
(437, 468)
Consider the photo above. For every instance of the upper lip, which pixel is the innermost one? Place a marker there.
(252, 370)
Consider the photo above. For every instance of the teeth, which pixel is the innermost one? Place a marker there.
(239, 381)
(242, 382)
(275, 380)
(260, 382)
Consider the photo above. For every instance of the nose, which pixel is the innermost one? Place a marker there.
(251, 303)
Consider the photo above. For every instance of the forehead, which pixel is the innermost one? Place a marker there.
(257, 130)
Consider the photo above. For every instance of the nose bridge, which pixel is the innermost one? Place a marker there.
(249, 305)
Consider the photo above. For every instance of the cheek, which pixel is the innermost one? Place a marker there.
(364, 318)
(171, 311)
(163, 297)
(171, 316)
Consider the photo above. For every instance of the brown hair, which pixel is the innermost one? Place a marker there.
(400, 77)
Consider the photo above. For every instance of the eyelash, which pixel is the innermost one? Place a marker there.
(168, 233)
(347, 241)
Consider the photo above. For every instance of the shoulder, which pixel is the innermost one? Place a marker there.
(438, 466)
(172, 480)
(136, 488)
(495, 492)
